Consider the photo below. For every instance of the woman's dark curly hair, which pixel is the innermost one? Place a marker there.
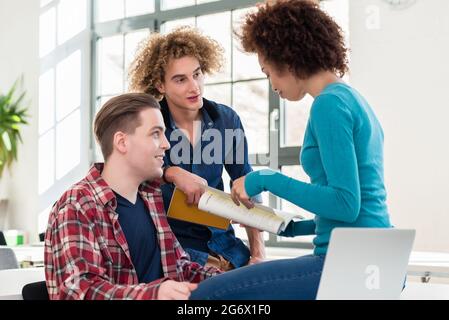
(295, 34)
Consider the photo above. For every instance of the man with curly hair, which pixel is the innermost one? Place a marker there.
(172, 68)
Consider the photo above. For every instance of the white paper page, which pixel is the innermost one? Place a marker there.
(220, 203)
(287, 217)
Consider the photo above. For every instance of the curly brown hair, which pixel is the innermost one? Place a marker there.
(295, 34)
(147, 71)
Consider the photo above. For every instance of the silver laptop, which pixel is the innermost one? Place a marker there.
(365, 264)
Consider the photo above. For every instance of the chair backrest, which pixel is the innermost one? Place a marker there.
(2, 239)
(35, 291)
(8, 259)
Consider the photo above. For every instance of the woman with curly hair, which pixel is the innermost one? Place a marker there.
(172, 67)
(302, 51)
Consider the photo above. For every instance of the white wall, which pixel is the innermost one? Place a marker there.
(402, 68)
(19, 55)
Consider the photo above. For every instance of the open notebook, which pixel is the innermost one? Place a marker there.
(216, 209)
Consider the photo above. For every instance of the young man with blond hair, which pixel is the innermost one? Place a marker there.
(108, 236)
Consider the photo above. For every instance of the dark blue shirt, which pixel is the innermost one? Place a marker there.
(223, 146)
(140, 233)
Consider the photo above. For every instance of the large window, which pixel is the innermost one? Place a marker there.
(64, 113)
(274, 127)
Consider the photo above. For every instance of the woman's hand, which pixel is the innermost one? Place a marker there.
(238, 193)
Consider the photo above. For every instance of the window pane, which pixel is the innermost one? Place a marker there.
(138, 7)
(208, 25)
(220, 93)
(298, 173)
(240, 232)
(68, 85)
(245, 66)
(111, 65)
(109, 10)
(295, 115)
(168, 26)
(295, 172)
(68, 144)
(265, 200)
(132, 41)
(72, 17)
(42, 220)
(45, 2)
(47, 32)
(98, 154)
(46, 101)
(172, 4)
(251, 104)
(46, 170)
(100, 102)
(265, 195)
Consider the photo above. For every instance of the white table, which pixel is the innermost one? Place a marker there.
(425, 291)
(13, 280)
(30, 253)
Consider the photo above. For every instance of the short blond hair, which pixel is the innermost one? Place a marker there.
(121, 113)
(147, 71)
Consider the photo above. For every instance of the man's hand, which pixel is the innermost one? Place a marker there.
(174, 290)
(254, 260)
(238, 193)
(189, 183)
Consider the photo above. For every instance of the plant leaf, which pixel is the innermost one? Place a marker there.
(13, 114)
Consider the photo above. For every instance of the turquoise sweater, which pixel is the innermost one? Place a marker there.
(342, 154)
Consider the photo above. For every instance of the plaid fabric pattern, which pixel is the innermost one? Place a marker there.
(86, 253)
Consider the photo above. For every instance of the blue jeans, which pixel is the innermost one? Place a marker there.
(286, 279)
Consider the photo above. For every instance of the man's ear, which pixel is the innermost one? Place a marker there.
(160, 87)
(119, 142)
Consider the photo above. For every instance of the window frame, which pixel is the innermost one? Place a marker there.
(49, 62)
(288, 155)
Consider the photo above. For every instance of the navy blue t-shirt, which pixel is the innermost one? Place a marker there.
(140, 233)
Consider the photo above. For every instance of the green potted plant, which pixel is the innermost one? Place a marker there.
(12, 117)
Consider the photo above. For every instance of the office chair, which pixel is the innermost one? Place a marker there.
(35, 291)
(2, 239)
(8, 259)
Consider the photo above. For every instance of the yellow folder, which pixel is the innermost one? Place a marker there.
(179, 209)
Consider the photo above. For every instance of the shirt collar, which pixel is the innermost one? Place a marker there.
(103, 191)
(208, 111)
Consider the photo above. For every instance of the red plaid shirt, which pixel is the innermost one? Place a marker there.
(86, 253)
